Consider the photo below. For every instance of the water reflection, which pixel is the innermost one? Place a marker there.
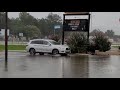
(104, 67)
(22, 65)
(76, 67)
(6, 67)
(92, 67)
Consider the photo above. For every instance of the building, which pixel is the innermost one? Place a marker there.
(2, 32)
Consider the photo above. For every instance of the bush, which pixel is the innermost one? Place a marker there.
(77, 42)
(91, 48)
(101, 42)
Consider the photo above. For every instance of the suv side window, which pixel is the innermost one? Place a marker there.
(45, 43)
(40, 42)
(35, 42)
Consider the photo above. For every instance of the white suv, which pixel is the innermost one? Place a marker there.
(42, 46)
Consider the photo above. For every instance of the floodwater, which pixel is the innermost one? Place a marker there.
(21, 65)
(92, 67)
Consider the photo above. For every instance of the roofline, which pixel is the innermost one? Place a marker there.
(42, 39)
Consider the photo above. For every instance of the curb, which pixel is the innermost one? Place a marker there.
(79, 54)
(15, 51)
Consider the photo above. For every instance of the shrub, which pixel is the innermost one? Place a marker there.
(77, 42)
(101, 42)
(91, 48)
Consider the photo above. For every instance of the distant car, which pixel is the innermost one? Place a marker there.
(42, 46)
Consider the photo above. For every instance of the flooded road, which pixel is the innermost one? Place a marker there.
(92, 67)
(21, 65)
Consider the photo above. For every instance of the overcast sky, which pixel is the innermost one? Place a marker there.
(100, 20)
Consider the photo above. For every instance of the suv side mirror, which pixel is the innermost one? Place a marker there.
(49, 44)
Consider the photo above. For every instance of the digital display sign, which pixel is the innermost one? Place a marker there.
(76, 25)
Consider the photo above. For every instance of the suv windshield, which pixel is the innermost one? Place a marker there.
(54, 42)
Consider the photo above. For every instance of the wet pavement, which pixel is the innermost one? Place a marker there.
(22, 65)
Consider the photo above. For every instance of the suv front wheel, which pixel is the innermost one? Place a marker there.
(55, 52)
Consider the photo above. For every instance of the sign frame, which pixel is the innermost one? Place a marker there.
(68, 27)
(64, 15)
(21, 34)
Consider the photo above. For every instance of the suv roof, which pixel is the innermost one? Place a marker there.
(42, 39)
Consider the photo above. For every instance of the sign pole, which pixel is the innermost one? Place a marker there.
(88, 30)
(6, 40)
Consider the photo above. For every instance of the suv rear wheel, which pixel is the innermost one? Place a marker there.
(32, 52)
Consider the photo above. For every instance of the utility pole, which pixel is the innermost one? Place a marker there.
(63, 30)
(0, 21)
(6, 39)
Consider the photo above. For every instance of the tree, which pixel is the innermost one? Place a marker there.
(110, 33)
(31, 31)
(94, 32)
(54, 18)
(44, 27)
(116, 38)
(23, 24)
(2, 20)
(15, 26)
(27, 19)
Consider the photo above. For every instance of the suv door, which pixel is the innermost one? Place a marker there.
(41, 46)
(46, 46)
(36, 45)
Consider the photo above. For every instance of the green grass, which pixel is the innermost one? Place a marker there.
(115, 46)
(13, 47)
